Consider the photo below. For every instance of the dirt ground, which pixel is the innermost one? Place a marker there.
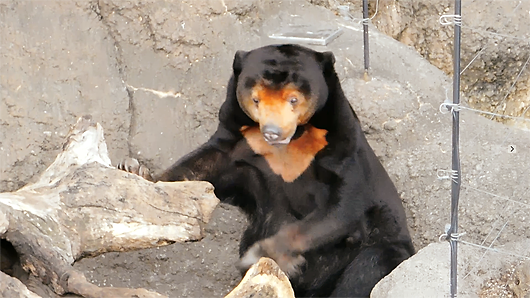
(153, 74)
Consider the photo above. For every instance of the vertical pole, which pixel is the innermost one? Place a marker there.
(456, 181)
(366, 44)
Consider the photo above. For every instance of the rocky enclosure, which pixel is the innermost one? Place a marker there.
(494, 53)
(153, 74)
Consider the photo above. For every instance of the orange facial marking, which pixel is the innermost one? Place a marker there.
(306, 112)
(274, 107)
(291, 160)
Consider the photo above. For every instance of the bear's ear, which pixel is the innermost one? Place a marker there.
(237, 65)
(329, 57)
(327, 61)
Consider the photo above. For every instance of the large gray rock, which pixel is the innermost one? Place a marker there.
(174, 57)
(427, 274)
(424, 275)
(58, 63)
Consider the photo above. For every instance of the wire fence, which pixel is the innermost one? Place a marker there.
(499, 233)
(490, 210)
(505, 221)
(452, 231)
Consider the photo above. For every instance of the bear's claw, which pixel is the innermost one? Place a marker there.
(132, 165)
(289, 262)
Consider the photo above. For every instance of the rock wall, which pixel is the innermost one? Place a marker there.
(57, 62)
(494, 49)
(121, 61)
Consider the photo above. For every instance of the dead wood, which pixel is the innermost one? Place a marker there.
(264, 279)
(81, 206)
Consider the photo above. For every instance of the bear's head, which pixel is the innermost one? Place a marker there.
(280, 87)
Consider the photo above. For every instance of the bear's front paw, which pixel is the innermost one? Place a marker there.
(289, 261)
(132, 165)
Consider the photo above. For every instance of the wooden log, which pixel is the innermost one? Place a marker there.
(264, 279)
(81, 205)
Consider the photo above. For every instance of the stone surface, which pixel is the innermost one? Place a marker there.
(427, 274)
(494, 47)
(520, 280)
(58, 63)
(14, 288)
(424, 275)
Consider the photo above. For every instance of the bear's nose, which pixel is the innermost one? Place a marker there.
(271, 133)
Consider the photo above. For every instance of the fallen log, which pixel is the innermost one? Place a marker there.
(82, 206)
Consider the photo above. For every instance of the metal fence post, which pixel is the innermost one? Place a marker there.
(365, 38)
(452, 233)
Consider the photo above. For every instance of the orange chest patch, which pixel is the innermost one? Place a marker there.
(291, 160)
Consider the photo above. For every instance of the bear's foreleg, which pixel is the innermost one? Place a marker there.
(203, 163)
(368, 268)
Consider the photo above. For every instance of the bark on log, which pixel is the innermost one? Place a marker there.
(81, 206)
(264, 279)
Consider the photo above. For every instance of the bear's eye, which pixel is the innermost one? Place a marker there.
(293, 100)
(255, 100)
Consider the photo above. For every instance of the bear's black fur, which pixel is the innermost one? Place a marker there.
(320, 203)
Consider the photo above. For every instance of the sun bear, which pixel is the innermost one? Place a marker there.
(290, 152)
